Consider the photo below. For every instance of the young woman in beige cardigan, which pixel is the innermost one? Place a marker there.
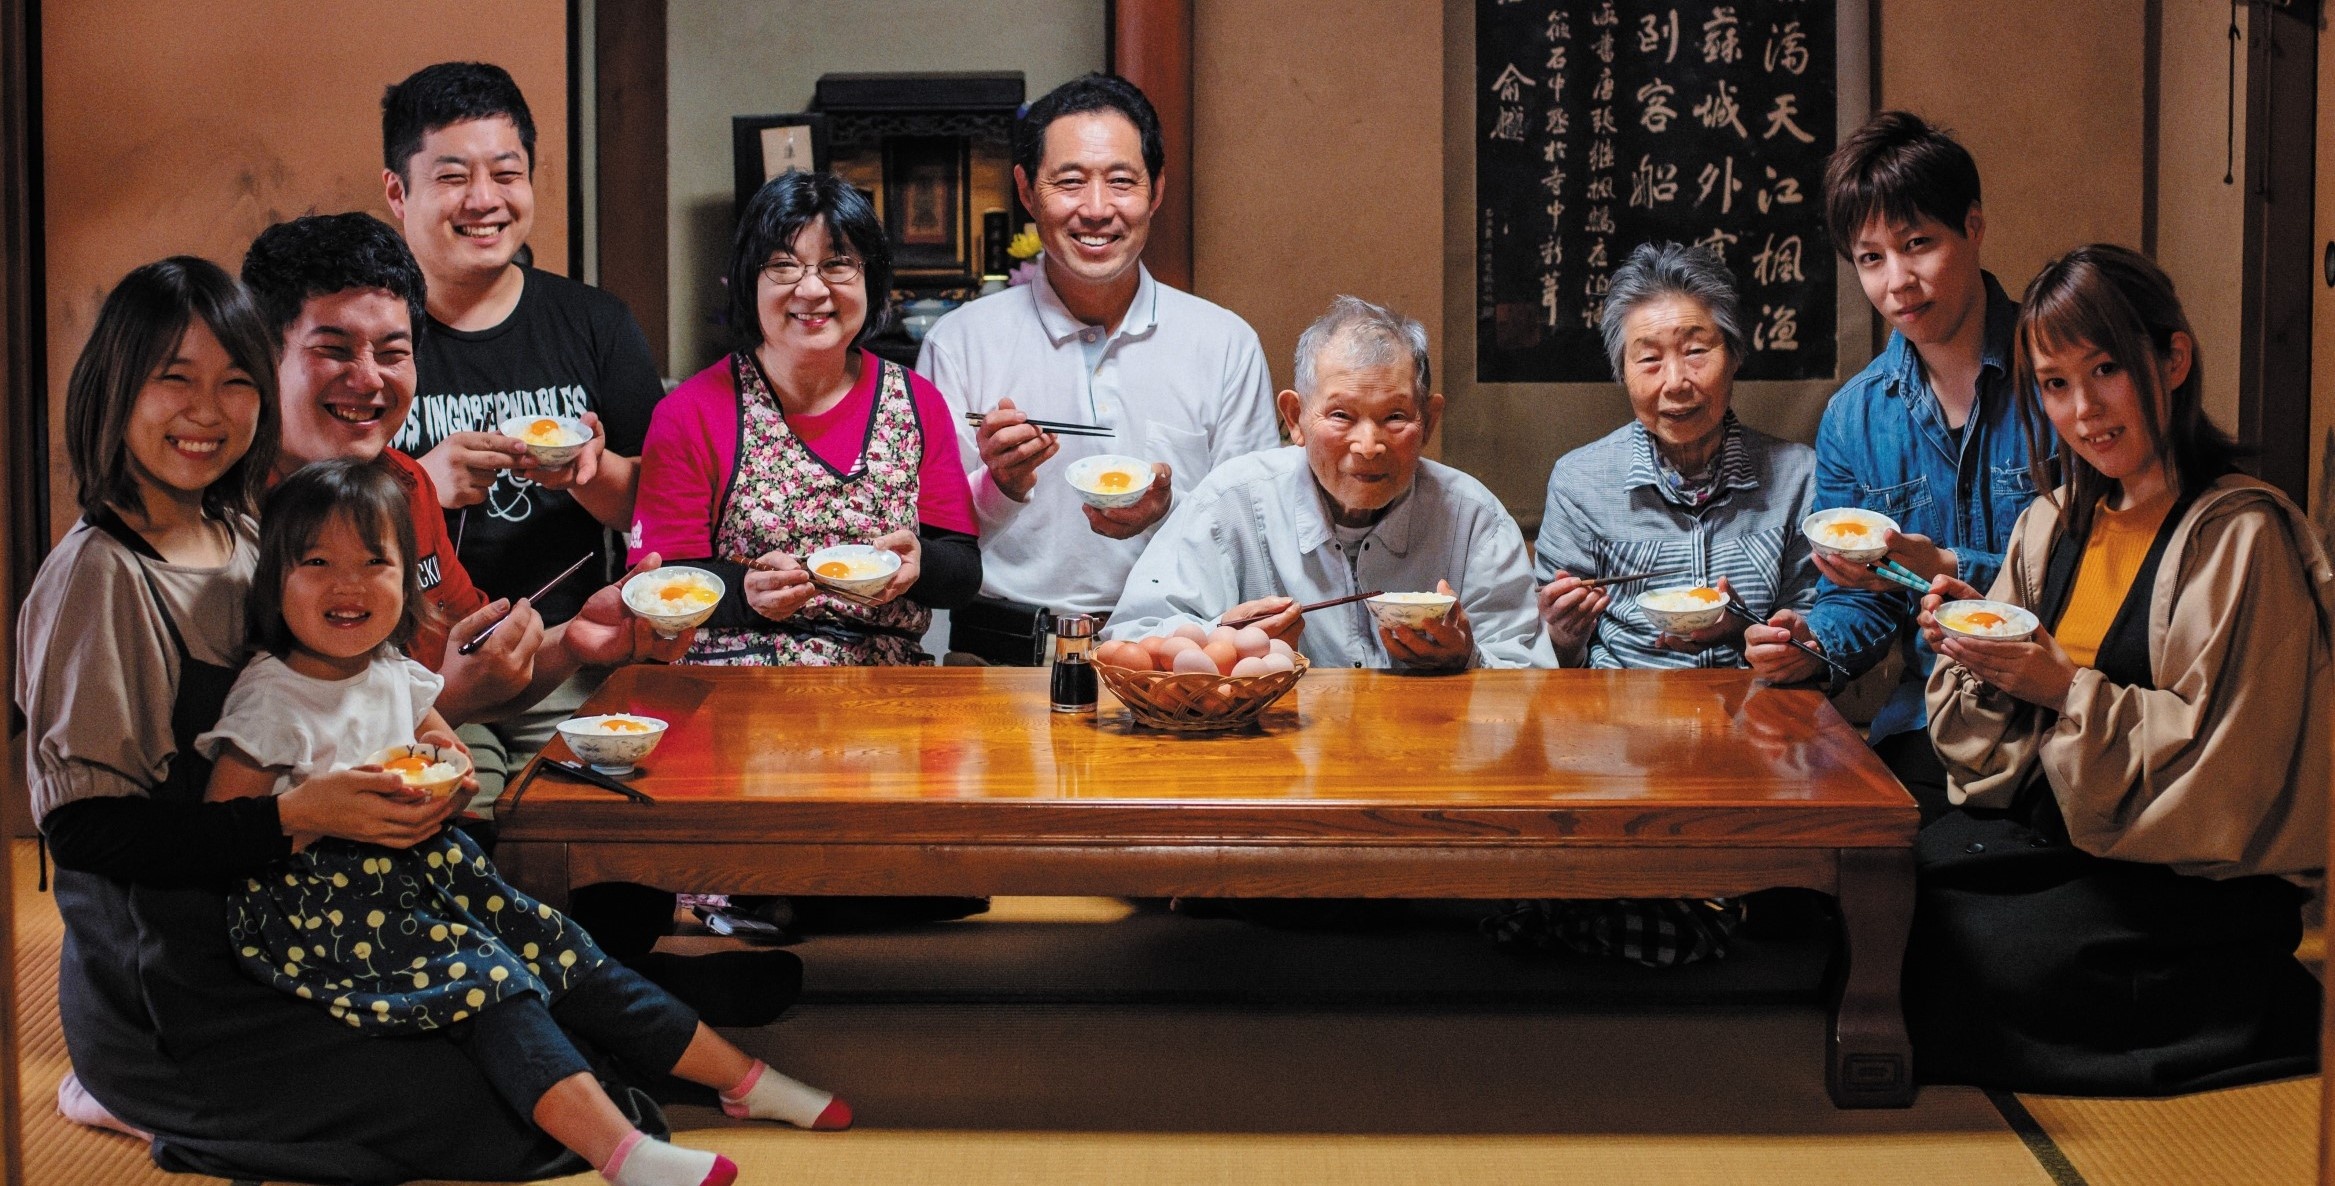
(2111, 894)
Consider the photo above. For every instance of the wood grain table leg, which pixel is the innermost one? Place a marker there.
(539, 868)
(1869, 1062)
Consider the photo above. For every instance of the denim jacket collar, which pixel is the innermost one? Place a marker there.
(1908, 381)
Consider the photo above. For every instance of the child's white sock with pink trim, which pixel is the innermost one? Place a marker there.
(641, 1160)
(764, 1094)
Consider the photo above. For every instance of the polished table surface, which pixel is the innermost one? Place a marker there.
(1486, 784)
(1569, 757)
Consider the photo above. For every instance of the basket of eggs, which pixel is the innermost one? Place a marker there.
(1196, 680)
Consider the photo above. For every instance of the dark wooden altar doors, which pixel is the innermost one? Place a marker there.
(1149, 42)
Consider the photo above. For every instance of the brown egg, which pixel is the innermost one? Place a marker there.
(1157, 648)
(1172, 647)
(1195, 662)
(1124, 654)
(1223, 654)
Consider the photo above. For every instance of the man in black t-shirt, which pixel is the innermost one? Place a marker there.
(504, 340)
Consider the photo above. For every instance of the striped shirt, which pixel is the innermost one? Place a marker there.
(1609, 512)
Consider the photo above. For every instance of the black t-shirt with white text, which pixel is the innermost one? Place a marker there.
(566, 349)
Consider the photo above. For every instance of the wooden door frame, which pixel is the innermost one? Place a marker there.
(1148, 42)
(24, 435)
(630, 77)
(2279, 261)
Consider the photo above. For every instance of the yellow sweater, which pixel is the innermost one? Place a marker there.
(2223, 768)
(2112, 558)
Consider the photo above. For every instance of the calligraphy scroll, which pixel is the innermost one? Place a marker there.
(1604, 124)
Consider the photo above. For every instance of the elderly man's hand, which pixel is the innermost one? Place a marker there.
(1013, 449)
(1285, 623)
(1131, 521)
(1569, 611)
(1448, 643)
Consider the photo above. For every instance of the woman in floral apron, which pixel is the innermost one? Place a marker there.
(800, 440)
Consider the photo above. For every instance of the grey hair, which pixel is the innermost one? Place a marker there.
(1658, 270)
(1372, 336)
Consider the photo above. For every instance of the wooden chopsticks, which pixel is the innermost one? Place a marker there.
(1253, 619)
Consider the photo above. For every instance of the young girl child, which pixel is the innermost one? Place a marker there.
(394, 941)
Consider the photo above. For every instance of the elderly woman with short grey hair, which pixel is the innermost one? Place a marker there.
(1684, 489)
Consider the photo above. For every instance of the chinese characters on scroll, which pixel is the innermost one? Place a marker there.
(1603, 124)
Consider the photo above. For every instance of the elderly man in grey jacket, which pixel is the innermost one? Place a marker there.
(1350, 508)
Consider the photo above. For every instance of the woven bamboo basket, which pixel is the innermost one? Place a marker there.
(1190, 702)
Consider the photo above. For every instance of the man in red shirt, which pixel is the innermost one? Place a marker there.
(346, 294)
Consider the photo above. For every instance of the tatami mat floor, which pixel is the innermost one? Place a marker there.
(988, 1089)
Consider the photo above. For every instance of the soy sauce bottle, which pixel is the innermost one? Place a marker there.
(1074, 670)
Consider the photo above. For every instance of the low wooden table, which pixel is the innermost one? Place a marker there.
(1492, 784)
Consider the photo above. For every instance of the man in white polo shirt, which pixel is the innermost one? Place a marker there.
(1095, 340)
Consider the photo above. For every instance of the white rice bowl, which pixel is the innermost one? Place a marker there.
(1676, 609)
(607, 750)
(1410, 610)
(569, 438)
(1086, 475)
(645, 595)
(1995, 621)
(867, 569)
(446, 766)
(1834, 531)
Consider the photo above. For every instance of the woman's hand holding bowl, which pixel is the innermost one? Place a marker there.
(2034, 669)
(777, 585)
(1728, 629)
(905, 545)
(1942, 590)
(1569, 611)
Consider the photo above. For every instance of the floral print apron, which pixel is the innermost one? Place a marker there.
(787, 498)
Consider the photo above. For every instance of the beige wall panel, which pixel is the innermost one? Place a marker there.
(2201, 222)
(1317, 162)
(2047, 97)
(749, 57)
(187, 126)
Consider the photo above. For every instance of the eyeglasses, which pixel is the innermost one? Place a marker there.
(840, 270)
